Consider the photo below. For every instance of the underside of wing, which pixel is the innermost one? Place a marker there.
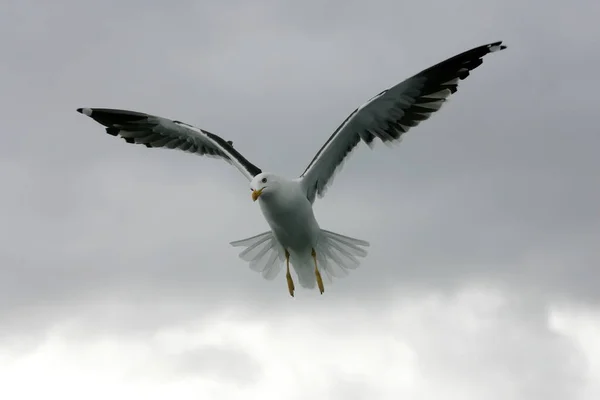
(390, 114)
(153, 131)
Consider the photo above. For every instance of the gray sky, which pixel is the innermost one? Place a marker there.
(117, 278)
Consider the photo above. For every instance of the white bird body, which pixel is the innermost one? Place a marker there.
(289, 214)
(292, 221)
(287, 204)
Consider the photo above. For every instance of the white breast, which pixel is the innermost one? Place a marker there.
(290, 216)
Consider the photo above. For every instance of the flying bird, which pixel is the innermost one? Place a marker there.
(287, 204)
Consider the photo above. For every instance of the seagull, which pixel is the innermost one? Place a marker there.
(287, 204)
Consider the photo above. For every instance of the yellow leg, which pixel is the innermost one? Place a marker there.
(290, 282)
(317, 273)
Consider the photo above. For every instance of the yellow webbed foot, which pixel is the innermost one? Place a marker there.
(288, 276)
(317, 273)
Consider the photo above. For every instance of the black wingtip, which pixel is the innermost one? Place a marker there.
(85, 111)
(496, 46)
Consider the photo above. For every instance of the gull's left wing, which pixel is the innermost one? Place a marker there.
(153, 131)
(390, 114)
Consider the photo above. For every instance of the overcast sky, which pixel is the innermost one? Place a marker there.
(117, 280)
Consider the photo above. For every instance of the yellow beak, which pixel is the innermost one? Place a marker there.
(256, 194)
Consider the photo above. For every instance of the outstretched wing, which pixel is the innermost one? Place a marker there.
(390, 114)
(153, 131)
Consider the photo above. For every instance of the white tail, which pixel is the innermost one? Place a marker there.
(264, 254)
(336, 254)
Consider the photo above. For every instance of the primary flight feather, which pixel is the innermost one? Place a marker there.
(295, 236)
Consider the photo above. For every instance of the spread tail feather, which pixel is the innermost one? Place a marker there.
(336, 254)
(263, 252)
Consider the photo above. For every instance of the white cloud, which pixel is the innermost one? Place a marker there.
(468, 346)
(582, 326)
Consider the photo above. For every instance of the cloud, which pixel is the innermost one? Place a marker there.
(471, 344)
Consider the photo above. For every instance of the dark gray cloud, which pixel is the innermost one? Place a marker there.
(497, 190)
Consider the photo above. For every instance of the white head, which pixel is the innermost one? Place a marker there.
(263, 185)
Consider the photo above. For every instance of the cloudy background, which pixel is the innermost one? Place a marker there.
(117, 279)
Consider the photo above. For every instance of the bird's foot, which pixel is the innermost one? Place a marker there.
(319, 281)
(290, 283)
(317, 273)
(288, 276)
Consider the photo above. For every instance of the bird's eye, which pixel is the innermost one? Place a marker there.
(264, 180)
